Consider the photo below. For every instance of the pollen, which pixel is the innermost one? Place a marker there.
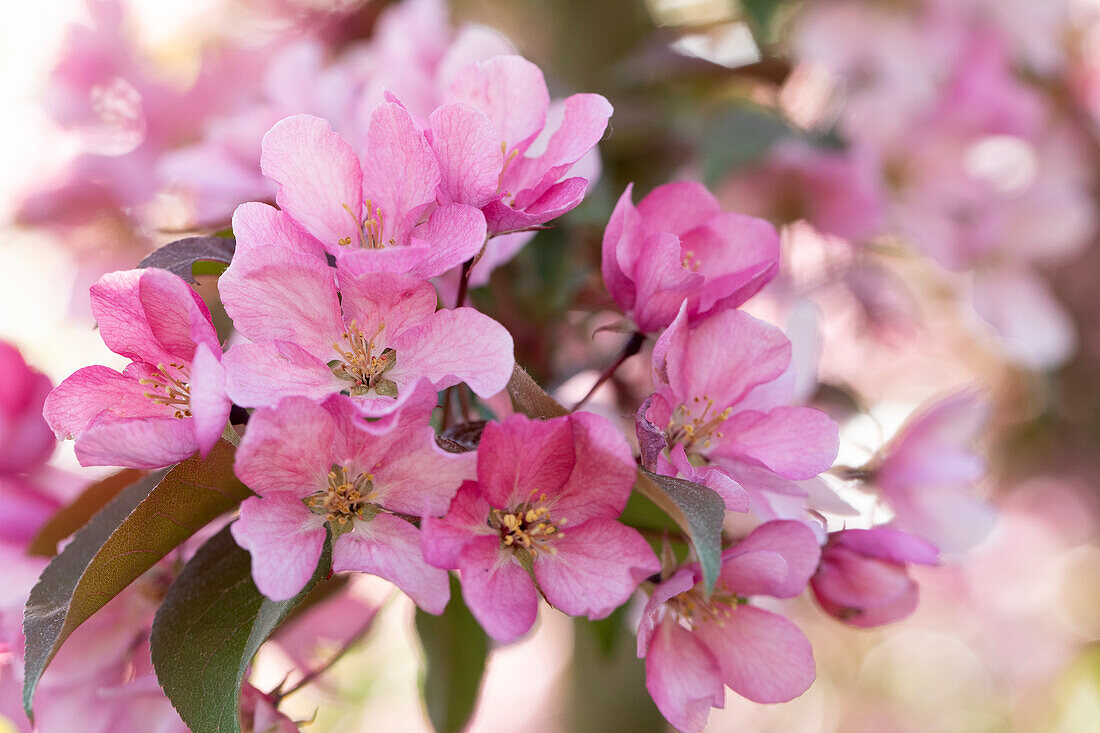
(172, 392)
(344, 498)
(696, 431)
(370, 230)
(363, 364)
(528, 527)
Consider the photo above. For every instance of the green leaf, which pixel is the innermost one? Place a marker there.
(182, 256)
(74, 516)
(208, 628)
(698, 510)
(455, 650)
(127, 537)
(529, 398)
(738, 135)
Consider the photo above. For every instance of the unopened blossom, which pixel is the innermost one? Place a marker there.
(25, 439)
(543, 509)
(316, 465)
(863, 578)
(678, 245)
(498, 151)
(367, 213)
(320, 331)
(170, 401)
(695, 645)
(928, 472)
(724, 392)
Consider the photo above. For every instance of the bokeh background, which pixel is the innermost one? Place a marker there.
(931, 164)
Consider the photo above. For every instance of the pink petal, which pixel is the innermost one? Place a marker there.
(91, 391)
(855, 582)
(762, 656)
(623, 223)
(662, 283)
(443, 538)
(678, 207)
(887, 543)
(511, 91)
(390, 548)
(469, 153)
(152, 442)
(682, 677)
(453, 234)
(603, 472)
(461, 345)
(499, 593)
(679, 582)
(594, 568)
(401, 303)
(285, 542)
(1036, 330)
(795, 442)
(739, 255)
(393, 260)
(258, 225)
(288, 448)
(528, 211)
(318, 175)
(209, 404)
(400, 172)
(521, 455)
(274, 294)
(793, 541)
(733, 494)
(259, 375)
(899, 607)
(757, 572)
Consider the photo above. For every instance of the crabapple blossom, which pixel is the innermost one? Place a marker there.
(316, 465)
(543, 509)
(170, 401)
(25, 439)
(695, 644)
(319, 331)
(724, 389)
(863, 578)
(678, 245)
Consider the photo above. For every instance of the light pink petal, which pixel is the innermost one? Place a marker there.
(679, 582)
(259, 225)
(259, 375)
(795, 442)
(93, 390)
(899, 607)
(733, 494)
(887, 543)
(148, 442)
(393, 260)
(418, 477)
(390, 548)
(400, 172)
(793, 541)
(678, 207)
(682, 677)
(853, 581)
(1035, 329)
(762, 656)
(401, 303)
(519, 456)
(528, 211)
(594, 568)
(273, 294)
(469, 153)
(461, 345)
(603, 472)
(499, 593)
(583, 121)
(511, 91)
(952, 518)
(753, 573)
(662, 283)
(318, 175)
(209, 404)
(453, 234)
(443, 538)
(288, 448)
(285, 542)
(623, 223)
(471, 43)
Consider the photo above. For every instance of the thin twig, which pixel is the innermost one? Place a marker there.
(632, 347)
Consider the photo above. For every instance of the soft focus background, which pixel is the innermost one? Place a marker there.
(932, 164)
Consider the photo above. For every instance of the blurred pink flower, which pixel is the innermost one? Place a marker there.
(170, 401)
(26, 441)
(543, 509)
(678, 245)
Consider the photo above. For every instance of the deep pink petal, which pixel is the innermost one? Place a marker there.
(285, 542)
(390, 548)
(856, 582)
(273, 294)
(443, 538)
(318, 175)
(756, 572)
(623, 223)
(793, 541)
(259, 375)
(603, 472)
(682, 677)
(869, 616)
(762, 656)
(469, 153)
(209, 404)
(288, 448)
(594, 568)
(662, 283)
(733, 494)
(678, 207)
(519, 456)
(527, 211)
(679, 582)
(499, 593)
(887, 543)
(738, 254)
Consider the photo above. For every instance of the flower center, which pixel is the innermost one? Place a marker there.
(528, 527)
(170, 391)
(359, 364)
(684, 427)
(344, 499)
(692, 607)
(691, 261)
(371, 229)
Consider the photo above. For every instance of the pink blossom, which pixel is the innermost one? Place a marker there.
(544, 505)
(25, 439)
(863, 579)
(928, 470)
(170, 401)
(679, 245)
(724, 392)
(497, 150)
(694, 644)
(314, 465)
(367, 214)
(319, 331)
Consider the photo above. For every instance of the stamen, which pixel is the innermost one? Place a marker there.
(168, 390)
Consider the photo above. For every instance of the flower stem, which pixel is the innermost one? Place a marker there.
(632, 347)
